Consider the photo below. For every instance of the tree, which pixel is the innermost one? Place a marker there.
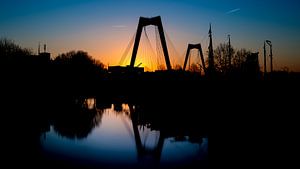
(240, 58)
(195, 67)
(75, 57)
(16, 61)
(77, 66)
(79, 60)
(177, 67)
(9, 51)
(161, 67)
(99, 64)
(221, 54)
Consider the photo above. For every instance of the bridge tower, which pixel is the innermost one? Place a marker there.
(194, 46)
(156, 21)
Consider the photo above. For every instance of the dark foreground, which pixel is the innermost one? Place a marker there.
(247, 123)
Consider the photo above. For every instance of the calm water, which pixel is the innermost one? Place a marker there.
(119, 135)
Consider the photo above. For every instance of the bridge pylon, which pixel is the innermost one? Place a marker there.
(156, 21)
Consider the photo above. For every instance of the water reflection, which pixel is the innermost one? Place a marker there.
(77, 119)
(93, 133)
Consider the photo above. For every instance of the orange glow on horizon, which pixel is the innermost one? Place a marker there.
(109, 48)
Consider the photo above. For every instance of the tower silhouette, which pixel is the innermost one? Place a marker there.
(145, 22)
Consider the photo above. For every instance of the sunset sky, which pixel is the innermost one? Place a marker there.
(104, 28)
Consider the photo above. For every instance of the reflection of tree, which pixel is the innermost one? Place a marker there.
(75, 120)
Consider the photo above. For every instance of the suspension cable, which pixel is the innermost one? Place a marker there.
(127, 50)
(173, 48)
(151, 49)
(159, 49)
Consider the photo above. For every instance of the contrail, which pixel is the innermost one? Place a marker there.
(119, 26)
(233, 11)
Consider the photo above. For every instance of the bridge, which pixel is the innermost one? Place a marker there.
(162, 51)
(134, 67)
(187, 57)
(143, 22)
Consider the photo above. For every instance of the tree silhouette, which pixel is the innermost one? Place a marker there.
(222, 57)
(78, 59)
(240, 57)
(195, 67)
(9, 49)
(177, 67)
(12, 54)
(77, 69)
(239, 60)
(20, 64)
(161, 67)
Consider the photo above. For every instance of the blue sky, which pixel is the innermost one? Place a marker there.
(104, 27)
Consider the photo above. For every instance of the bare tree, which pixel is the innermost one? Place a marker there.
(178, 67)
(221, 54)
(10, 50)
(239, 58)
(195, 67)
(161, 67)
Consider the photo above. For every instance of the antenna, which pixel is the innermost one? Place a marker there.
(45, 47)
(229, 51)
(210, 51)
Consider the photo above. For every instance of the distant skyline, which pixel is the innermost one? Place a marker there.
(104, 28)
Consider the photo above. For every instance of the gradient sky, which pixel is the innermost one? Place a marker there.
(104, 28)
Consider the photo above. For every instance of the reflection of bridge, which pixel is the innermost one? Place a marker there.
(174, 129)
(141, 149)
(86, 113)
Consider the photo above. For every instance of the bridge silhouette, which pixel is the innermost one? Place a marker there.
(187, 57)
(161, 37)
(145, 22)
